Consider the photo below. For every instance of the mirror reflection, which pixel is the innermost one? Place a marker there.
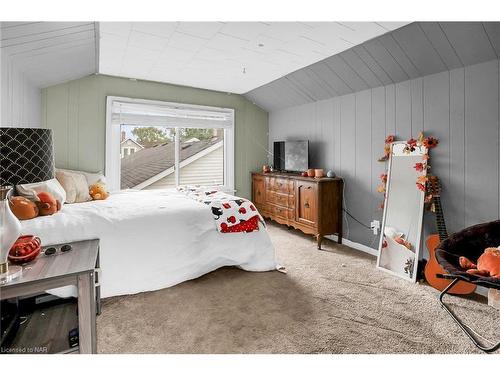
(403, 212)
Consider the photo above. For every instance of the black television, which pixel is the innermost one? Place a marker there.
(291, 156)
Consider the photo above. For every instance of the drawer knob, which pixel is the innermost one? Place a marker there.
(306, 205)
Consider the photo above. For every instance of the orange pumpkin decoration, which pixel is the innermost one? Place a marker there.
(488, 263)
(47, 204)
(23, 208)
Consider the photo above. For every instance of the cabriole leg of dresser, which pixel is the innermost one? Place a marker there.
(319, 238)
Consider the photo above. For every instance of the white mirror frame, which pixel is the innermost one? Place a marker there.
(418, 241)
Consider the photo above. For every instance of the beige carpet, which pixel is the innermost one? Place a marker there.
(332, 301)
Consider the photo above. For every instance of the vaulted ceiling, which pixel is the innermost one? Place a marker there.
(276, 65)
(415, 50)
(225, 56)
(47, 53)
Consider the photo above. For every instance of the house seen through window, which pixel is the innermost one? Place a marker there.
(149, 155)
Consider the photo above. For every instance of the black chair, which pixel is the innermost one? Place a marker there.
(470, 243)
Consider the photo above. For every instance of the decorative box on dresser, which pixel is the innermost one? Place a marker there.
(312, 205)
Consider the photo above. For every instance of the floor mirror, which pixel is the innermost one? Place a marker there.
(399, 246)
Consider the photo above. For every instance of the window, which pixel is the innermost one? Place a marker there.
(167, 145)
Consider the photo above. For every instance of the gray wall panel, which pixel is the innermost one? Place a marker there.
(493, 31)
(308, 86)
(417, 108)
(362, 193)
(348, 154)
(372, 65)
(470, 41)
(330, 78)
(403, 110)
(437, 124)
(337, 137)
(325, 134)
(378, 120)
(438, 39)
(460, 107)
(347, 74)
(360, 67)
(390, 110)
(481, 142)
(420, 50)
(455, 213)
(384, 58)
(399, 55)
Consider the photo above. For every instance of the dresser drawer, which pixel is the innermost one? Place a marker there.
(283, 213)
(281, 199)
(282, 185)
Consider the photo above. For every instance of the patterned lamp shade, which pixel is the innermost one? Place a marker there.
(26, 155)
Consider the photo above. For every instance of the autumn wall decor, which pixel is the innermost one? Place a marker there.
(411, 144)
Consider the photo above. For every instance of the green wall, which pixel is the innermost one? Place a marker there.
(76, 111)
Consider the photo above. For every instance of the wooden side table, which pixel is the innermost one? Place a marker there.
(77, 267)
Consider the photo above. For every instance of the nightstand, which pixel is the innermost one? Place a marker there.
(79, 267)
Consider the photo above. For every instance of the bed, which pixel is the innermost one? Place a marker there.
(153, 239)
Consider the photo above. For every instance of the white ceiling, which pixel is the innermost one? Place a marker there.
(226, 56)
(48, 53)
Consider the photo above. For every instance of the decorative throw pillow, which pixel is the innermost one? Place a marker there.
(92, 178)
(51, 186)
(75, 185)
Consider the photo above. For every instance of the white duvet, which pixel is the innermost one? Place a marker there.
(153, 239)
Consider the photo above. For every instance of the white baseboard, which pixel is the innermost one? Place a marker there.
(366, 249)
(355, 245)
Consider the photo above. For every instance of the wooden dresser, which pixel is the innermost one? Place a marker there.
(312, 205)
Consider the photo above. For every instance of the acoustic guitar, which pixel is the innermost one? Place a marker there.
(432, 267)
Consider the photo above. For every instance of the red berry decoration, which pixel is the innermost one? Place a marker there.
(252, 207)
(223, 226)
(242, 210)
(226, 205)
(231, 219)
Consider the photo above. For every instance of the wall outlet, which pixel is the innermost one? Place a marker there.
(375, 226)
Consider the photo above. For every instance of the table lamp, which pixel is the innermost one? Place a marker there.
(26, 156)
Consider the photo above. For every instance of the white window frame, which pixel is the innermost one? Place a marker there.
(113, 137)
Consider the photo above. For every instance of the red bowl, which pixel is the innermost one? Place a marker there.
(25, 249)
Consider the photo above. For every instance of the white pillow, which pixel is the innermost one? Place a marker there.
(51, 186)
(75, 185)
(92, 178)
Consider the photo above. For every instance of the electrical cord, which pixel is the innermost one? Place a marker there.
(347, 213)
(352, 217)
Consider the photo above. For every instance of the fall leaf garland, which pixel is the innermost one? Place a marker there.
(410, 146)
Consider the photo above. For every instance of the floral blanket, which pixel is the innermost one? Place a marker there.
(231, 214)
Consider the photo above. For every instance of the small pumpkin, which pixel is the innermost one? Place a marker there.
(488, 264)
(23, 208)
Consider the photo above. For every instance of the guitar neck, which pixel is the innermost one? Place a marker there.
(440, 223)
